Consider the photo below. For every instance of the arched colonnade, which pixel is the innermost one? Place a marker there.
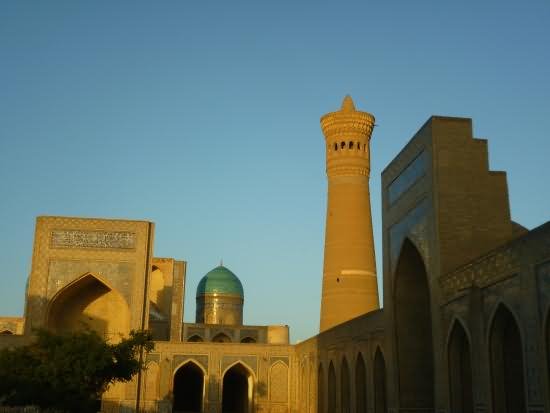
(350, 389)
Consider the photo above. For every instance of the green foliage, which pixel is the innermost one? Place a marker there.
(69, 371)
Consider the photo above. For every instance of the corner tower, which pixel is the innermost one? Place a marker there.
(349, 271)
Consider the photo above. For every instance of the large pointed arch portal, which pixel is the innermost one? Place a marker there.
(89, 302)
(188, 389)
(237, 390)
(413, 331)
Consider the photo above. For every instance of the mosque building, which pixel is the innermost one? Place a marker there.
(465, 325)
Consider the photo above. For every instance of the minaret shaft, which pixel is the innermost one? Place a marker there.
(349, 272)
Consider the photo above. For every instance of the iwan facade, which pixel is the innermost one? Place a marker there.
(465, 325)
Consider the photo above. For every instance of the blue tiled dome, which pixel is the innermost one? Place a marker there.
(220, 281)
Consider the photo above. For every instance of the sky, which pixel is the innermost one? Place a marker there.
(203, 117)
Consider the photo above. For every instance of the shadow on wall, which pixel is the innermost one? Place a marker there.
(351, 379)
(363, 394)
(159, 293)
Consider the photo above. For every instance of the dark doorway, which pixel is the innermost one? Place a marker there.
(331, 388)
(507, 364)
(380, 402)
(235, 398)
(460, 371)
(413, 331)
(360, 385)
(188, 389)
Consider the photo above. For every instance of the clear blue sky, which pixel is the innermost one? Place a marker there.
(204, 118)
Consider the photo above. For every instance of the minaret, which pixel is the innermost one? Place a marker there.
(349, 273)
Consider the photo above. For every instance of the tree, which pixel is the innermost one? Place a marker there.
(68, 371)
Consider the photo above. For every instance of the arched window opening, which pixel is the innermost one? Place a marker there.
(248, 340)
(335, 146)
(380, 401)
(350, 145)
(460, 371)
(331, 388)
(414, 345)
(320, 390)
(237, 394)
(507, 371)
(345, 392)
(360, 385)
(221, 338)
(188, 389)
(342, 144)
(195, 338)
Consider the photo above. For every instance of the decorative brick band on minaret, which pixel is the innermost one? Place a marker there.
(349, 273)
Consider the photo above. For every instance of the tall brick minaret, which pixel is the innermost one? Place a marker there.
(349, 273)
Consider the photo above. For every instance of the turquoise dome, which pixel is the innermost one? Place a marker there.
(220, 281)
